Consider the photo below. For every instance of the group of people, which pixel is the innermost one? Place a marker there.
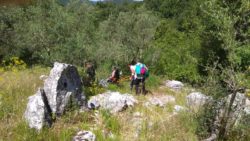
(139, 73)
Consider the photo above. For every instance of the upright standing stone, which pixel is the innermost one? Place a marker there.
(62, 85)
(61, 89)
(35, 110)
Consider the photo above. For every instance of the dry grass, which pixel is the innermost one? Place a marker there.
(155, 123)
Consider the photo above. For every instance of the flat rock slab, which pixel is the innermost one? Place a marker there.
(84, 136)
(197, 99)
(175, 85)
(160, 100)
(112, 101)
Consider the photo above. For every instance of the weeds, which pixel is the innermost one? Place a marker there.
(156, 123)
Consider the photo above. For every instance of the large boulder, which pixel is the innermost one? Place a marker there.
(175, 85)
(35, 110)
(247, 107)
(38, 111)
(196, 100)
(62, 85)
(84, 136)
(160, 101)
(227, 118)
(61, 89)
(111, 101)
(237, 109)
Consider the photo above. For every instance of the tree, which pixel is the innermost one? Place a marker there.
(221, 21)
(127, 36)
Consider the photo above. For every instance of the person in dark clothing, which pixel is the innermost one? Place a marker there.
(90, 71)
(140, 76)
(115, 76)
(137, 84)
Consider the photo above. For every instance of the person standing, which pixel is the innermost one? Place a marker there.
(140, 76)
(90, 70)
(132, 77)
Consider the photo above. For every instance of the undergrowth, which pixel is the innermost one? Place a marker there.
(157, 124)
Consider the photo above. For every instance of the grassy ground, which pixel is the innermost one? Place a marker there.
(156, 124)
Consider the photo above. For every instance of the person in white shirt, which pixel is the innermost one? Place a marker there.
(132, 77)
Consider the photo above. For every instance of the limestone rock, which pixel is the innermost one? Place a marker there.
(84, 136)
(35, 110)
(247, 107)
(173, 84)
(61, 89)
(63, 85)
(104, 83)
(233, 117)
(178, 108)
(160, 100)
(43, 77)
(112, 101)
(197, 99)
(237, 109)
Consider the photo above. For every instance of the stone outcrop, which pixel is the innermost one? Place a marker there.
(247, 107)
(63, 84)
(178, 108)
(227, 118)
(61, 89)
(160, 101)
(236, 111)
(112, 101)
(196, 100)
(84, 136)
(175, 85)
(104, 83)
(34, 113)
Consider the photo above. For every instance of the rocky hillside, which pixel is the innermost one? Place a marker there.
(169, 111)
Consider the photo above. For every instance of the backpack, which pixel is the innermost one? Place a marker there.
(143, 70)
(140, 69)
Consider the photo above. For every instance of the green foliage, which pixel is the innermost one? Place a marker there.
(222, 20)
(176, 39)
(94, 89)
(49, 32)
(178, 53)
(111, 122)
(13, 64)
(126, 37)
(169, 8)
(153, 81)
(241, 131)
(113, 87)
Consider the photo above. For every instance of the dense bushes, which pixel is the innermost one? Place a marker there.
(189, 40)
(177, 39)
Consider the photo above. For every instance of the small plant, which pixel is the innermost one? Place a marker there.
(13, 64)
(94, 89)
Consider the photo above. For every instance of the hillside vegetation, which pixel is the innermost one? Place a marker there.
(204, 43)
(15, 89)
